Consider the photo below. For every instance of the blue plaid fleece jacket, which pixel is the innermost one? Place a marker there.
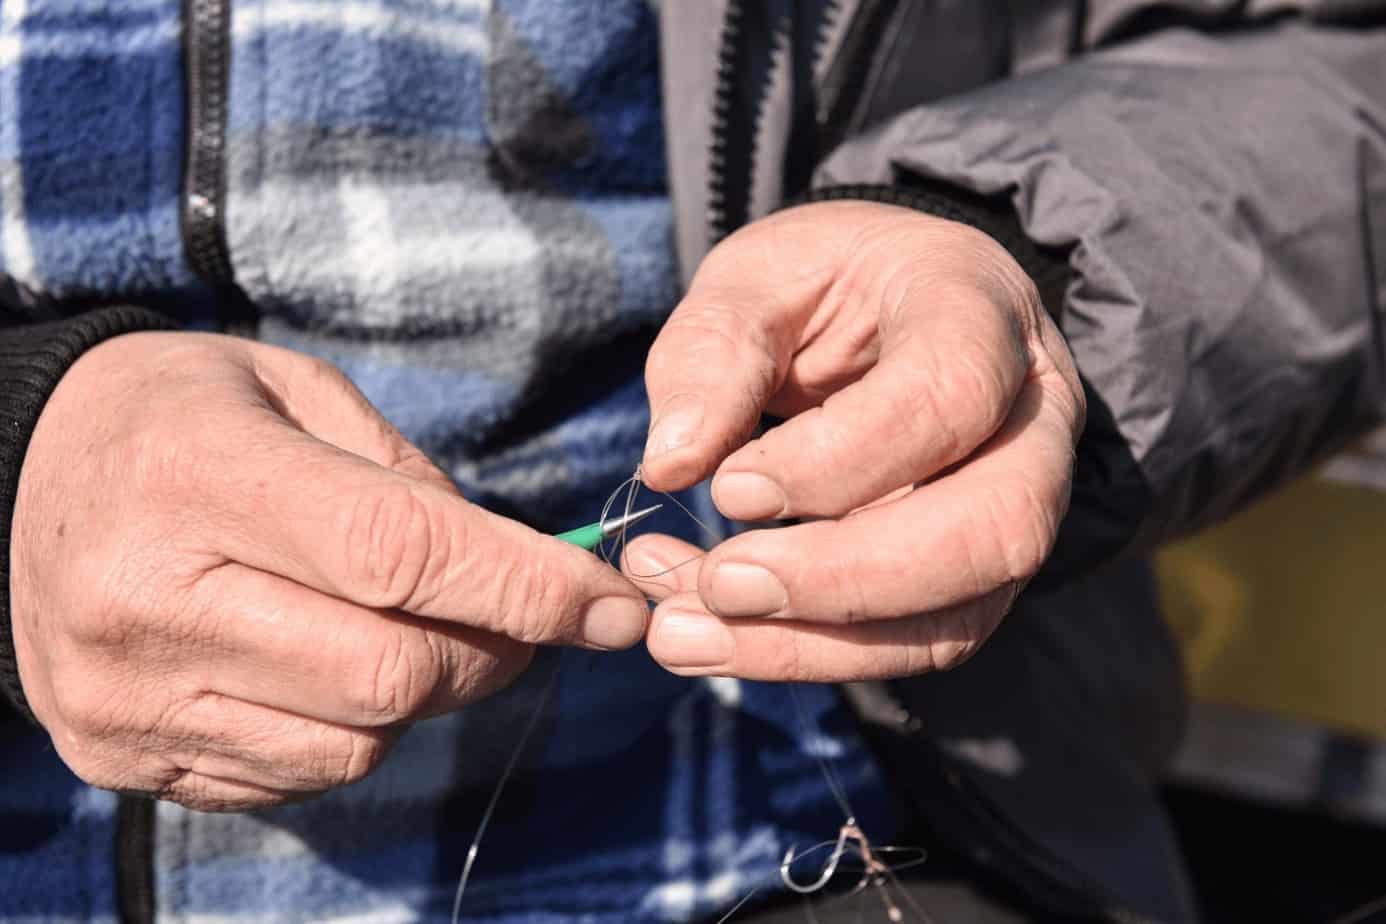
(465, 205)
(460, 203)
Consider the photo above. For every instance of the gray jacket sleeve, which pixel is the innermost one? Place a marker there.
(1222, 201)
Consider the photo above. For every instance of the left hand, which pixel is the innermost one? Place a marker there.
(932, 412)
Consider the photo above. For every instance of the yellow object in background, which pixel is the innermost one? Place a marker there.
(1283, 609)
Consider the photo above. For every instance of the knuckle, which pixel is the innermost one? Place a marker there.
(167, 468)
(91, 712)
(390, 542)
(408, 459)
(400, 682)
(321, 374)
(961, 638)
(946, 408)
(98, 625)
(481, 672)
(120, 768)
(352, 759)
(1015, 536)
(916, 656)
(1035, 527)
(194, 791)
(120, 599)
(712, 331)
(178, 784)
(949, 653)
(91, 767)
(984, 386)
(536, 600)
(114, 590)
(969, 403)
(722, 326)
(940, 641)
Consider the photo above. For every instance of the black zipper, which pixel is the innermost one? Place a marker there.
(735, 110)
(207, 60)
(808, 30)
(754, 34)
(134, 858)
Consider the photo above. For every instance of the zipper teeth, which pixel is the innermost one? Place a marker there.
(832, 10)
(717, 208)
(208, 54)
(729, 182)
(805, 41)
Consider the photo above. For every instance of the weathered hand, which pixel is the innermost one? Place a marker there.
(932, 408)
(233, 582)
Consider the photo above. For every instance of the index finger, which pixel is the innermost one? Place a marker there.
(727, 348)
(338, 523)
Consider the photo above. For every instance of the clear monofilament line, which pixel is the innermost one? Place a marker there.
(834, 782)
(509, 770)
(850, 842)
(615, 555)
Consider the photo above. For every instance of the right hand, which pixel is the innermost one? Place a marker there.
(233, 583)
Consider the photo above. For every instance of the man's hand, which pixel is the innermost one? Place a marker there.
(932, 408)
(233, 582)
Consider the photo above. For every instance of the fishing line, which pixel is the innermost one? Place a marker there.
(549, 685)
(834, 782)
(851, 841)
(875, 873)
(614, 553)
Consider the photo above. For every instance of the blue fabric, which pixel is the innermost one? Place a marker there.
(91, 148)
(463, 205)
(55, 835)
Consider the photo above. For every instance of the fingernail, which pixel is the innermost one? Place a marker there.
(738, 589)
(677, 424)
(748, 496)
(693, 641)
(613, 623)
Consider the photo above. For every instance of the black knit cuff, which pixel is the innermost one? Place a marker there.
(993, 215)
(32, 360)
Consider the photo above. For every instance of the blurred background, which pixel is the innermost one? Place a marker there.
(1280, 792)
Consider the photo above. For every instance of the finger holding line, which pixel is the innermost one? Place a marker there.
(985, 525)
(349, 528)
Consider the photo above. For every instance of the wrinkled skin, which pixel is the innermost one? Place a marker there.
(233, 583)
(932, 412)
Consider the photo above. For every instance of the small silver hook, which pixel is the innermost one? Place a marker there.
(846, 832)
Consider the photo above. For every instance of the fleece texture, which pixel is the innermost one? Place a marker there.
(463, 205)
